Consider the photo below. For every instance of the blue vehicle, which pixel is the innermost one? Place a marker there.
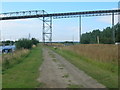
(8, 49)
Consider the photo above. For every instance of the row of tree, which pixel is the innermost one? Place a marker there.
(104, 37)
(8, 42)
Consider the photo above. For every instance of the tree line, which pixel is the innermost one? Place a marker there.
(103, 37)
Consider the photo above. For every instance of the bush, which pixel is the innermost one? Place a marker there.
(24, 43)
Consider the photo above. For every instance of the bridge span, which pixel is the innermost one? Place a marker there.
(42, 13)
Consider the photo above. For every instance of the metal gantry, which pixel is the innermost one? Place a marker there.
(47, 19)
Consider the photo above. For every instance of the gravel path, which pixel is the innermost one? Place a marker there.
(56, 72)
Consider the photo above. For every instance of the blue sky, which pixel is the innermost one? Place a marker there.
(52, 7)
(63, 29)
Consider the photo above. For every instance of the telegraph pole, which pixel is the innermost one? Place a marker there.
(98, 41)
(29, 36)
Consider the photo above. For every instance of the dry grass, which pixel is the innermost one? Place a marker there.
(17, 54)
(101, 52)
(98, 61)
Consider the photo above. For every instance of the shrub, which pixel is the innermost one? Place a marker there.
(24, 43)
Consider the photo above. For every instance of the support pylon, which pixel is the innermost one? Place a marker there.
(113, 31)
(47, 29)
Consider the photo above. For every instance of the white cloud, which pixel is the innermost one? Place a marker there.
(20, 28)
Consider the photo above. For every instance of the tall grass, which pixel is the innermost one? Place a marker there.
(8, 60)
(99, 52)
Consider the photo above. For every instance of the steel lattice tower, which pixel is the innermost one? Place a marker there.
(47, 29)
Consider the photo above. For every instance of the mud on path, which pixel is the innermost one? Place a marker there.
(56, 72)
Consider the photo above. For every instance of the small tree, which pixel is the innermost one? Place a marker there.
(34, 41)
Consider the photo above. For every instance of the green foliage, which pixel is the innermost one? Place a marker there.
(105, 36)
(34, 41)
(117, 32)
(24, 43)
(8, 42)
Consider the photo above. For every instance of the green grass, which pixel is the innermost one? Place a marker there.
(105, 73)
(74, 86)
(24, 74)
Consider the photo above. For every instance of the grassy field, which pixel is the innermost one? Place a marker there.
(105, 72)
(25, 73)
(99, 52)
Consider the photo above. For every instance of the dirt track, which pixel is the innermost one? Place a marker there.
(56, 72)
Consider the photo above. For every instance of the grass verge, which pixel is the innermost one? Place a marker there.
(105, 73)
(24, 74)
(11, 59)
(74, 86)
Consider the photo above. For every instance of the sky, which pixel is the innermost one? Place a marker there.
(66, 29)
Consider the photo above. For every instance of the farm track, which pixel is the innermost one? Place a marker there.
(56, 72)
